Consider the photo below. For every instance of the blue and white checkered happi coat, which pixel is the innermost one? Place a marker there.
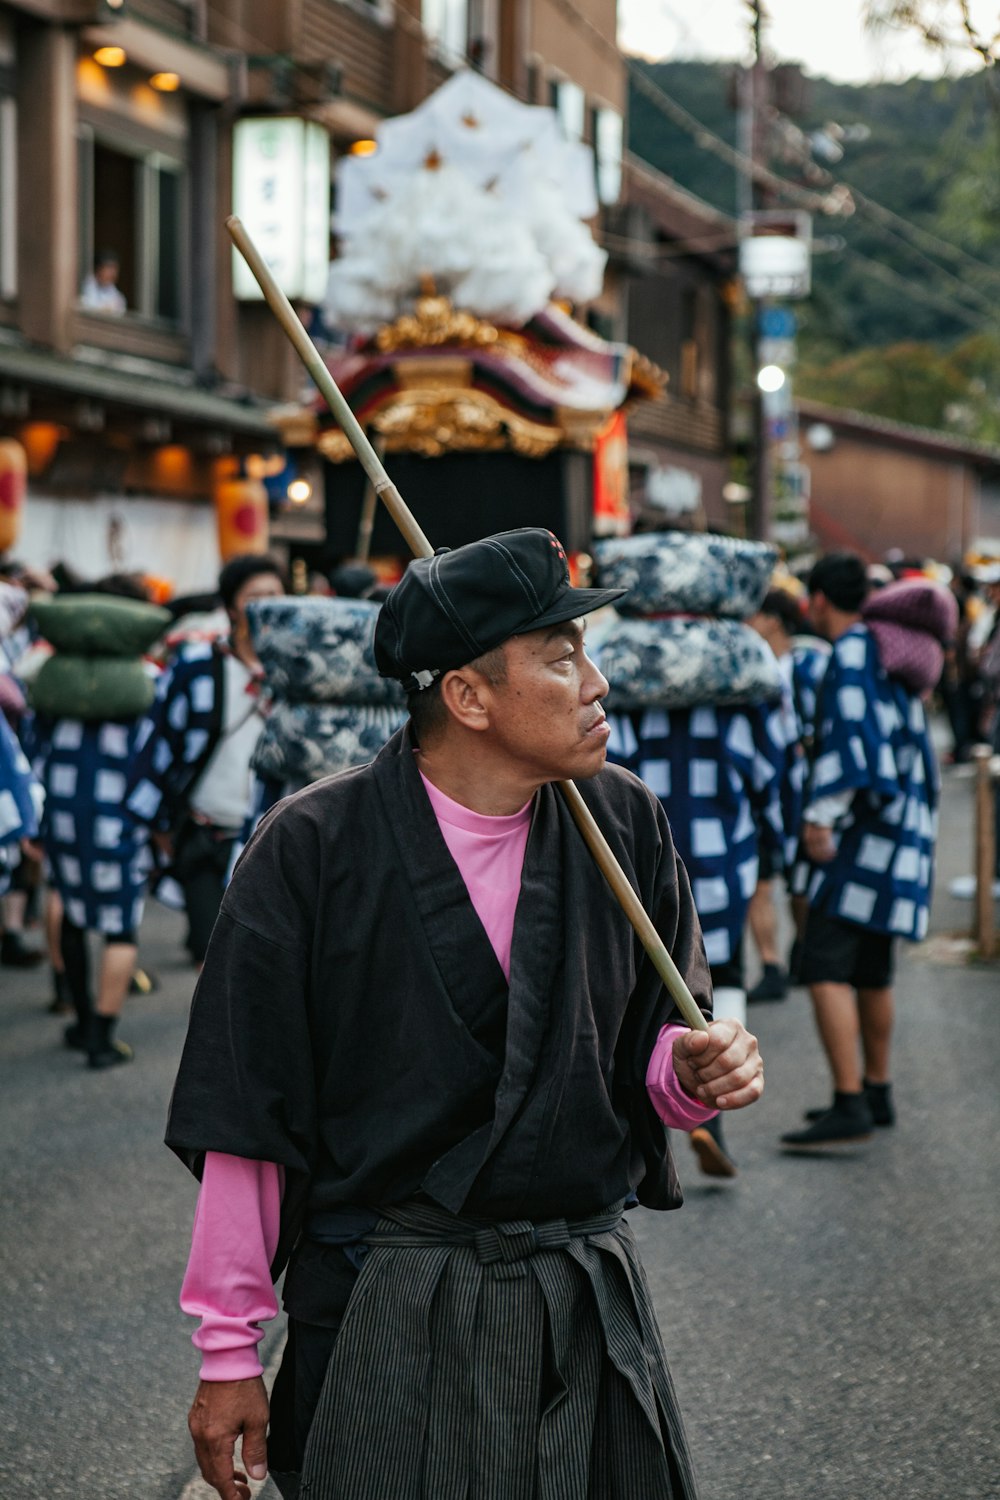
(98, 859)
(718, 773)
(809, 662)
(873, 740)
(21, 800)
(177, 735)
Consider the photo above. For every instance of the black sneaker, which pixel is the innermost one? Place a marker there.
(710, 1149)
(849, 1119)
(772, 985)
(110, 1056)
(879, 1096)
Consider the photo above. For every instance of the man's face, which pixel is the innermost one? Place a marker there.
(547, 714)
(106, 274)
(772, 630)
(260, 586)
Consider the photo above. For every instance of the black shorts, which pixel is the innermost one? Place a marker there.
(769, 863)
(837, 952)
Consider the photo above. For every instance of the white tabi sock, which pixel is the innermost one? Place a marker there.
(730, 1004)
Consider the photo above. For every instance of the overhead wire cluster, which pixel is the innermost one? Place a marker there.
(832, 197)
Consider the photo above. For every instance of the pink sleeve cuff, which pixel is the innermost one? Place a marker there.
(676, 1108)
(228, 1280)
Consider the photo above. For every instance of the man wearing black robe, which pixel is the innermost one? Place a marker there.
(467, 1142)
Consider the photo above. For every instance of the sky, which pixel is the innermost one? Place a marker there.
(827, 38)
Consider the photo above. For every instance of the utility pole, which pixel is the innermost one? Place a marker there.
(754, 98)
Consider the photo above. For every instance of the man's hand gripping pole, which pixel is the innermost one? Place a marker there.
(421, 547)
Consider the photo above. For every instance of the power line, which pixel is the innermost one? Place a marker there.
(943, 247)
(889, 277)
(988, 303)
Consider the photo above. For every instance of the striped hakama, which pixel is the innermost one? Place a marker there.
(510, 1361)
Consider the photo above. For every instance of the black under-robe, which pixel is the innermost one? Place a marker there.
(352, 1022)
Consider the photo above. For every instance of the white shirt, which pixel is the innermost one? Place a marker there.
(222, 793)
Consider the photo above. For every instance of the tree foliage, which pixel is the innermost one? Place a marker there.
(926, 159)
(954, 390)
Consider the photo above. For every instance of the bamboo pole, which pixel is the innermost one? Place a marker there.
(366, 525)
(421, 547)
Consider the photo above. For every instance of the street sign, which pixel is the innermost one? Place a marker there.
(777, 323)
(776, 352)
(775, 254)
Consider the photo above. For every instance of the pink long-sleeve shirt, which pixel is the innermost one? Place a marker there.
(228, 1280)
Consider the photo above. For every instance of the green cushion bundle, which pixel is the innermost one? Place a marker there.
(99, 624)
(92, 687)
(96, 671)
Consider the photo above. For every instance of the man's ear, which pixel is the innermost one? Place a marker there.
(464, 695)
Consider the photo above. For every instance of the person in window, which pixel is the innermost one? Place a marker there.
(100, 291)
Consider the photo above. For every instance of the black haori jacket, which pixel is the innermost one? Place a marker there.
(352, 1022)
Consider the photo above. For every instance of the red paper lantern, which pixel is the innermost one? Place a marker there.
(13, 488)
(241, 514)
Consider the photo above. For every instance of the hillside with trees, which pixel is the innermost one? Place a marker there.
(903, 318)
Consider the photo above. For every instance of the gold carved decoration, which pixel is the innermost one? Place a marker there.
(647, 382)
(434, 422)
(434, 322)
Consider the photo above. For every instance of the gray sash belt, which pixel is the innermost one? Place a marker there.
(498, 1361)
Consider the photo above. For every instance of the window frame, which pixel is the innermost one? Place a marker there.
(150, 155)
(8, 196)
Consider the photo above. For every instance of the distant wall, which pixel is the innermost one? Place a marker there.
(869, 496)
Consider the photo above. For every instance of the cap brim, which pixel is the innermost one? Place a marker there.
(571, 605)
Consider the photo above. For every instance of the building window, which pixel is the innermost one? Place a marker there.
(570, 103)
(8, 198)
(133, 207)
(608, 145)
(446, 22)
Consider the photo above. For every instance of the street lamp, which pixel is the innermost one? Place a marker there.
(770, 378)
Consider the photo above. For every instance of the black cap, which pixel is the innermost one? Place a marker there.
(450, 608)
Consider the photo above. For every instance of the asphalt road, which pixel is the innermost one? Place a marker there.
(832, 1324)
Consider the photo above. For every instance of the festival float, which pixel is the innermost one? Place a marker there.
(464, 245)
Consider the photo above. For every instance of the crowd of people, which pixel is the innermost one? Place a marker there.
(766, 738)
(97, 810)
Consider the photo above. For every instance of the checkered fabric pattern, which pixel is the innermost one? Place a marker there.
(718, 773)
(98, 860)
(873, 741)
(21, 801)
(177, 736)
(808, 665)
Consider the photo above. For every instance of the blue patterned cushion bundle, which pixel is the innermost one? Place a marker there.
(691, 572)
(303, 741)
(317, 650)
(686, 663)
(331, 708)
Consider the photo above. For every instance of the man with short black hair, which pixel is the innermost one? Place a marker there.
(868, 833)
(189, 780)
(428, 1057)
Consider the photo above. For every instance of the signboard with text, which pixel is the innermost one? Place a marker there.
(281, 191)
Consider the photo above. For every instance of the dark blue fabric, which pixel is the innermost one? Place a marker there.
(718, 773)
(177, 736)
(873, 741)
(20, 802)
(98, 858)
